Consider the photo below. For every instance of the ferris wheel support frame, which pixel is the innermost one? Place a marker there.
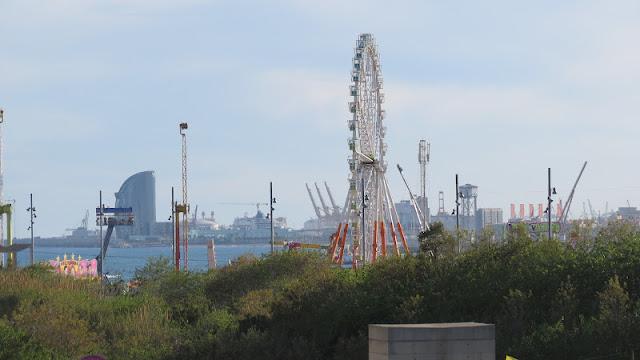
(368, 168)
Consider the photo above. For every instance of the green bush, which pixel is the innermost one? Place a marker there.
(547, 299)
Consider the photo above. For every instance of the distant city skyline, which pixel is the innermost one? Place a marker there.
(93, 92)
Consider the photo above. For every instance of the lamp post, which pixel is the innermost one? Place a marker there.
(173, 227)
(364, 232)
(550, 191)
(32, 214)
(272, 201)
(458, 215)
(457, 205)
(100, 220)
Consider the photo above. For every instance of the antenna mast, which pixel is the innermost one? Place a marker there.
(423, 159)
(185, 201)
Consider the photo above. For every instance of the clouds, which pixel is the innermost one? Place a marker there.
(92, 13)
(501, 89)
(302, 96)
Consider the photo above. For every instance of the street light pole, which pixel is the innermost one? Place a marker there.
(457, 205)
(549, 200)
(271, 201)
(173, 227)
(31, 209)
(101, 239)
(458, 215)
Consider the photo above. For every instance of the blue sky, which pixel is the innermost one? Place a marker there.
(93, 92)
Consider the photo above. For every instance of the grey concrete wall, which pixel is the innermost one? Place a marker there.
(446, 341)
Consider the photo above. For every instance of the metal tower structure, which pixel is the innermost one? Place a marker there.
(469, 195)
(183, 208)
(369, 203)
(424, 149)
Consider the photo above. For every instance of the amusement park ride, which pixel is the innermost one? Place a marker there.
(371, 217)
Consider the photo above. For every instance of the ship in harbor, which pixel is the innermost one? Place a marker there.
(81, 236)
(254, 229)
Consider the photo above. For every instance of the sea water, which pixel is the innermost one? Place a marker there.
(125, 261)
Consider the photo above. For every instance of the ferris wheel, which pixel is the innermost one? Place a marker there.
(371, 220)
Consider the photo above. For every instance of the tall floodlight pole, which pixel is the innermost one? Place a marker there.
(457, 205)
(457, 214)
(32, 214)
(271, 201)
(173, 227)
(185, 202)
(100, 220)
(549, 200)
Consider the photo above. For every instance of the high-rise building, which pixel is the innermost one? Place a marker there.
(139, 193)
(488, 216)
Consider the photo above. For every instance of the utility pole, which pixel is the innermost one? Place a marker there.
(173, 227)
(549, 200)
(272, 200)
(100, 220)
(457, 205)
(31, 211)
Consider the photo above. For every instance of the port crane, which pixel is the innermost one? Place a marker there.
(565, 213)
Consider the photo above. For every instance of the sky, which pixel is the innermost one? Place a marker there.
(93, 92)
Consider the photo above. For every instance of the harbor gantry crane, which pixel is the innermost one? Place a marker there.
(183, 208)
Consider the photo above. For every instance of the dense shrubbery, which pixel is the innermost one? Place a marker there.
(546, 299)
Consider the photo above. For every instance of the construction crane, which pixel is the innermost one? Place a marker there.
(565, 213)
(183, 208)
(324, 205)
(416, 208)
(313, 202)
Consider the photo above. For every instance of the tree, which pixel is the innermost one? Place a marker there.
(437, 241)
(614, 322)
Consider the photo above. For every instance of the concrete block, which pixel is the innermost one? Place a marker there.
(445, 341)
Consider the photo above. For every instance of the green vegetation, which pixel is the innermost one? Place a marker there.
(548, 300)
